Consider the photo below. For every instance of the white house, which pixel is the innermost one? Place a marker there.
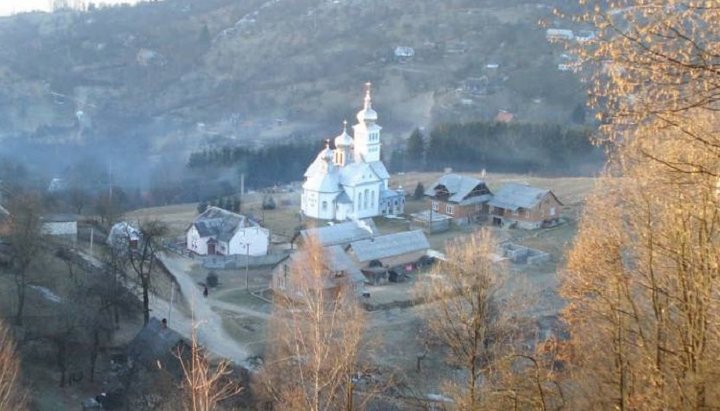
(61, 225)
(559, 34)
(350, 181)
(404, 52)
(221, 232)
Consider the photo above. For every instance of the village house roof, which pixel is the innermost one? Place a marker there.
(59, 218)
(335, 260)
(404, 51)
(459, 188)
(342, 233)
(513, 196)
(156, 345)
(221, 224)
(389, 245)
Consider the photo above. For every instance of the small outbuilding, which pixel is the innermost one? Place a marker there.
(124, 236)
(402, 249)
(524, 206)
(60, 225)
(341, 233)
(157, 347)
(293, 278)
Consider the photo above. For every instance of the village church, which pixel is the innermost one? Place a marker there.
(350, 181)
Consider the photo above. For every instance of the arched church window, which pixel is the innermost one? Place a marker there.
(372, 198)
(359, 201)
(365, 202)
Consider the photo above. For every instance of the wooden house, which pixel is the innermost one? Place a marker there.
(294, 278)
(524, 206)
(462, 198)
(402, 249)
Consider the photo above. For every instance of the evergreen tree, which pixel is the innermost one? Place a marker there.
(202, 207)
(578, 114)
(419, 191)
(204, 37)
(415, 149)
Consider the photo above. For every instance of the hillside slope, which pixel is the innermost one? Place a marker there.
(175, 74)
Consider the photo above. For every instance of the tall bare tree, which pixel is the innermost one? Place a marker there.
(26, 243)
(143, 260)
(480, 331)
(642, 278)
(206, 384)
(314, 337)
(654, 66)
(12, 396)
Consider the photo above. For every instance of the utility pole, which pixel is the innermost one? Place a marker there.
(242, 191)
(172, 298)
(247, 267)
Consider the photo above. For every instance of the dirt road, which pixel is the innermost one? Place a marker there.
(210, 330)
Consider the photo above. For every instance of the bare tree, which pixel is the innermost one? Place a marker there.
(655, 70)
(26, 244)
(12, 396)
(78, 198)
(315, 336)
(479, 331)
(206, 384)
(642, 280)
(143, 260)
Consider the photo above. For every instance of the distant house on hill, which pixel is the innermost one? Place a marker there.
(504, 116)
(461, 197)
(146, 57)
(559, 34)
(524, 206)
(293, 278)
(390, 250)
(221, 232)
(403, 53)
(57, 185)
(342, 233)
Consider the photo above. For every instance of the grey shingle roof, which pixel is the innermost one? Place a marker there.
(155, 344)
(513, 196)
(389, 245)
(459, 187)
(342, 233)
(335, 260)
(221, 223)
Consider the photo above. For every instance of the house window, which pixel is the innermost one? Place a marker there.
(552, 211)
(365, 199)
(359, 201)
(516, 212)
(324, 205)
(449, 209)
(372, 199)
(435, 206)
(527, 213)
